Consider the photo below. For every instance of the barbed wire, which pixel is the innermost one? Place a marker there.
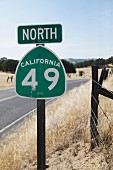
(102, 110)
(94, 136)
(95, 119)
(110, 124)
(96, 129)
(92, 131)
(98, 102)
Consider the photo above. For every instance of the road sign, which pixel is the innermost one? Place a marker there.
(39, 34)
(40, 74)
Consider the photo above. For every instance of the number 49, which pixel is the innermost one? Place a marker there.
(33, 83)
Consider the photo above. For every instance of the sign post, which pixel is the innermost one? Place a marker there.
(41, 75)
(41, 133)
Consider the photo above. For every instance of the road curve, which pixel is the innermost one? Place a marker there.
(14, 108)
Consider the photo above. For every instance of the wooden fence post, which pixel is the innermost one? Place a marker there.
(94, 108)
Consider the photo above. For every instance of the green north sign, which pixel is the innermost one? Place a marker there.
(40, 74)
(39, 34)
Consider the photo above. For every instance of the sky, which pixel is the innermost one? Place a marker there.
(87, 26)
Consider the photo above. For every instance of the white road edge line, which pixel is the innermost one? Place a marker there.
(75, 81)
(8, 98)
(5, 128)
(16, 121)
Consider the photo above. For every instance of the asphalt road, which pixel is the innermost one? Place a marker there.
(14, 108)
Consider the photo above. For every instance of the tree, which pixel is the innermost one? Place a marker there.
(109, 60)
(1, 62)
(3, 58)
(100, 62)
(9, 65)
(69, 67)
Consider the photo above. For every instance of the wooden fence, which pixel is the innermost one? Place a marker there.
(97, 90)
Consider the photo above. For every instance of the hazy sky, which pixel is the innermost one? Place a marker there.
(87, 26)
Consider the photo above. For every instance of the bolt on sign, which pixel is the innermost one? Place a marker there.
(40, 74)
(39, 34)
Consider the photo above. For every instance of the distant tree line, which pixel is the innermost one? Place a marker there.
(99, 62)
(8, 65)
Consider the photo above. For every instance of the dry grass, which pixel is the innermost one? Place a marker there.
(3, 80)
(19, 149)
(68, 126)
(86, 70)
(70, 118)
(106, 123)
(67, 135)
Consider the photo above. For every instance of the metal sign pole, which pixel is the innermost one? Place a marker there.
(41, 133)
